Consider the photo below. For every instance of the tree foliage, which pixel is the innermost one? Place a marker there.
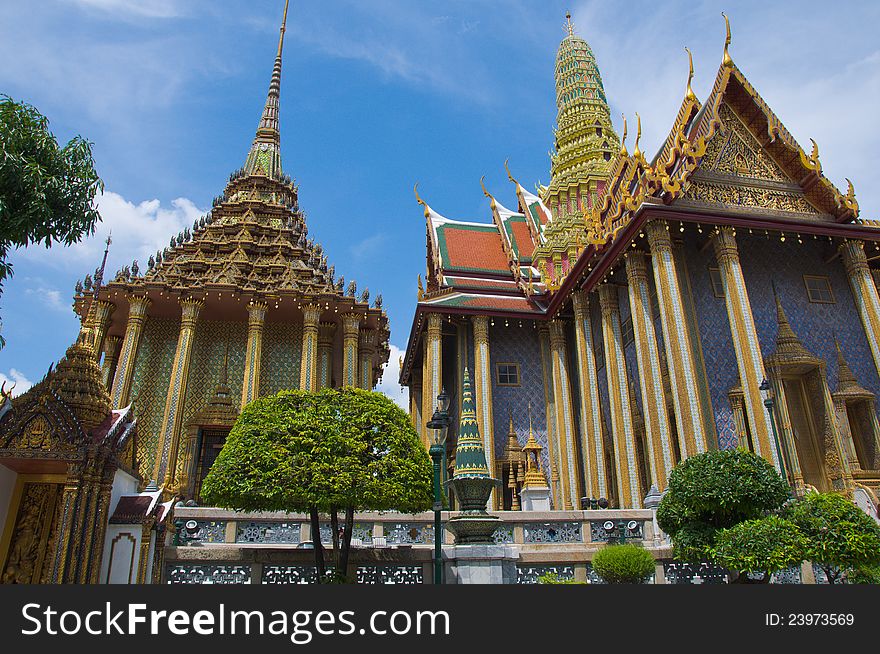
(764, 546)
(713, 491)
(323, 452)
(840, 535)
(47, 191)
(623, 564)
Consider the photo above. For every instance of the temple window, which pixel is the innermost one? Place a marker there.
(717, 282)
(212, 441)
(818, 289)
(507, 374)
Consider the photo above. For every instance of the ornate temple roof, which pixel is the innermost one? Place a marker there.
(252, 245)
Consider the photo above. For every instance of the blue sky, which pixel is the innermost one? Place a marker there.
(376, 95)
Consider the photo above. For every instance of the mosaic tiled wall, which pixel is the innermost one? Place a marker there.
(514, 344)
(765, 261)
(282, 352)
(149, 386)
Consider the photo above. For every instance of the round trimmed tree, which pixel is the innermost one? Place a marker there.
(623, 564)
(761, 547)
(322, 453)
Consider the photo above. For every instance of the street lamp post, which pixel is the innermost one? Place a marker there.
(437, 427)
(768, 403)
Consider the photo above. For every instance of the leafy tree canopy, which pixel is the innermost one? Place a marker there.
(840, 535)
(765, 545)
(295, 451)
(713, 491)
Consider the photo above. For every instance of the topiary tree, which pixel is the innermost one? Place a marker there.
(762, 546)
(325, 452)
(47, 192)
(713, 491)
(840, 535)
(623, 564)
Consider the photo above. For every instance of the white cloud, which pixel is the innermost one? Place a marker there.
(142, 8)
(48, 297)
(389, 384)
(21, 382)
(138, 230)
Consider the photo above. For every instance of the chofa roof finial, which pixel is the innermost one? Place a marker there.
(726, 60)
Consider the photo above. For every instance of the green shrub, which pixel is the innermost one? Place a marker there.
(623, 564)
(553, 578)
(766, 546)
(865, 574)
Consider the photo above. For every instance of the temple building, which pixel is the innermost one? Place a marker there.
(240, 305)
(637, 311)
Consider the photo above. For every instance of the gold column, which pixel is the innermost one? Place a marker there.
(101, 517)
(111, 357)
(679, 353)
(415, 402)
(366, 349)
(102, 322)
(483, 389)
(66, 540)
(657, 427)
(308, 374)
(565, 428)
(864, 293)
(619, 401)
(137, 316)
(250, 387)
(432, 369)
(326, 331)
(351, 323)
(745, 343)
(593, 447)
(168, 437)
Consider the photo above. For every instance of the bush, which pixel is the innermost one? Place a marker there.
(866, 574)
(623, 564)
(766, 546)
(555, 579)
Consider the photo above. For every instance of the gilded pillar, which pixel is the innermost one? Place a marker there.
(326, 331)
(308, 376)
(565, 428)
(432, 377)
(111, 358)
(483, 388)
(366, 350)
(102, 516)
(679, 352)
(415, 401)
(144, 559)
(657, 430)
(864, 293)
(553, 452)
(137, 316)
(619, 401)
(66, 539)
(102, 322)
(171, 421)
(593, 447)
(250, 387)
(745, 343)
(351, 323)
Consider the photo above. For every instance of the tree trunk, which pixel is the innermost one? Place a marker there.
(316, 543)
(346, 541)
(831, 574)
(334, 528)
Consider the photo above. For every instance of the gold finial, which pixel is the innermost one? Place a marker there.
(812, 162)
(283, 28)
(420, 200)
(486, 193)
(623, 139)
(421, 289)
(568, 23)
(689, 94)
(509, 175)
(726, 60)
(636, 152)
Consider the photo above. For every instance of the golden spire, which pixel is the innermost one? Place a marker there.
(689, 94)
(420, 200)
(486, 193)
(623, 138)
(726, 60)
(568, 23)
(636, 152)
(509, 174)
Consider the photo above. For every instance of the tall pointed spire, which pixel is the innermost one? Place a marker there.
(264, 157)
(470, 457)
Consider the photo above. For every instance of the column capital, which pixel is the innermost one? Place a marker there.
(103, 309)
(658, 235)
(326, 330)
(580, 302)
(481, 329)
(256, 313)
(636, 266)
(724, 241)
(608, 299)
(557, 332)
(854, 258)
(311, 314)
(351, 323)
(435, 320)
(367, 340)
(189, 311)
(137, 306)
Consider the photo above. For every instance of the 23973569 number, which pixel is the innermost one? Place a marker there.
(809, 619)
